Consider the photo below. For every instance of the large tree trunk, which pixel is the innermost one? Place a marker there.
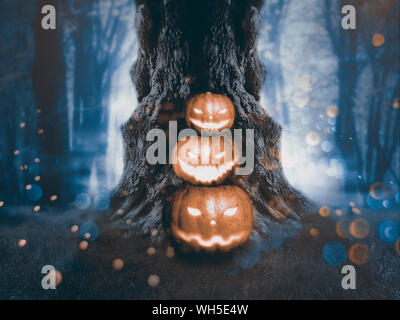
(188, 47)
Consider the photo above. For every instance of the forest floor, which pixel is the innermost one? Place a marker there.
(293, 270)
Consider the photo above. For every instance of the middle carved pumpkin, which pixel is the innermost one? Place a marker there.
(204, 160)
(210, 111)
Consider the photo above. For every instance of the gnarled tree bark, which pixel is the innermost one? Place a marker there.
(188, 47)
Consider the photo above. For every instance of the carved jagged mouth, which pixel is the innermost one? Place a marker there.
(215, 240)
(209, 125)
(206, 173)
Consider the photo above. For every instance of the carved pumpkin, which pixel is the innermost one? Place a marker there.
(204, 160)
(211, 218)
(210, 111)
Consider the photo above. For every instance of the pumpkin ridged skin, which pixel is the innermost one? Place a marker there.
(210, 111)
(212, 227)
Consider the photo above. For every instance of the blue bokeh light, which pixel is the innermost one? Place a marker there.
(34, 193)
(334, 253)
(389, 231)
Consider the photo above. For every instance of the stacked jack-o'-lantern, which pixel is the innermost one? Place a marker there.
(206, 215)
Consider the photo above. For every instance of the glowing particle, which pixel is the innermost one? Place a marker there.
(59, 277)
(87, 235)
(352, 204)
(358, 253)
(28, 187)
(342, 228)
(153, 280)
(313, 138)
(1, 203)
(314, 232)
(36, 208)
(379, 190)
(153, 232)
(378, 39)
(53, 197)
(356, 210)
(324, 211)
(332, 111)
(74, 228)
(339, 212)
(396, 104)
(37, 178)
(120, 212)
(128, 221)
(22, 125)
(83, 245)
(39, 111)
(151, 251)
(118, 264)
(300, 98)
(16, 152)
(37, 160)
(170, 252)
(21, 243)
(40, 131)
(359, 228)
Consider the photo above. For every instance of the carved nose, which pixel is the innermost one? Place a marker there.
(212, 222)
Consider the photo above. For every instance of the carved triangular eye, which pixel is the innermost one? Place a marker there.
(198, 111)
(230, 212)
(194, 211)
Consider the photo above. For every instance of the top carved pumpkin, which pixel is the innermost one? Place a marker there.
(210, 111)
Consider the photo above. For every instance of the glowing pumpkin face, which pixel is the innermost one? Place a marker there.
(204, 160)
(210, 111)
(211, 218)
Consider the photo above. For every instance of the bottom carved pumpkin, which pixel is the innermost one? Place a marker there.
(212, 218)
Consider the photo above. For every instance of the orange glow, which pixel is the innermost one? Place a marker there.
(170, 253)
(324, 211)
(359, 228)
(21, 243)
(22, 125)
(1, 203)
(16, 152)
(332, 111)
(358, 253)
(212, 218)
(356, 210)
(53, 197)
(204, 160)
(214, 242)
(83, 245)
(314, 232)
(378, 39)
(153, 280)
(210, 111)
(397, 246)
(151, 251)
(37, 178)
(74, 228)
(379, 190)
(36, 208)
(339, 212)
(341, 228)
(28, 187)
(118, 264)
